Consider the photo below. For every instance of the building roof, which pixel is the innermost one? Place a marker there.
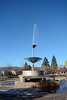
(62, 70)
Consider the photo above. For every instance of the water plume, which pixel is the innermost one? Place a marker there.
(34, 32)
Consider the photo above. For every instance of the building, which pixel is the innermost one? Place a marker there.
(61, 71)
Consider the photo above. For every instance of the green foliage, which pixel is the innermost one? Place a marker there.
(9, 74)
(60, 76)
(45, 62)
(19, 73)
(48, 70)
(54, 62)
(54, 65)
(3, 76)
(53, 69)
(27, 67)
(66, 63)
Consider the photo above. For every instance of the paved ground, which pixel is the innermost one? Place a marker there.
(62, 96)
(46, 96)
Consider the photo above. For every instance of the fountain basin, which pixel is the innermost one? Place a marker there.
(32, 73)
(33, 59)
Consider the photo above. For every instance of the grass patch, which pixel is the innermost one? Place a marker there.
(9, 76)
(61, 76)
(3, 76)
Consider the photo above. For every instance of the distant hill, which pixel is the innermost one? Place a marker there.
(10, 68)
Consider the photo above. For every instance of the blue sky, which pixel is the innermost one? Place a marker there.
(17, 19)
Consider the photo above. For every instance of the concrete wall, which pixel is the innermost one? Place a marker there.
(19, 84)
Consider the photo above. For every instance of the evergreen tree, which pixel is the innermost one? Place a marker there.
(54, 62)
(45, 62)
(26, 66)
(29, 67)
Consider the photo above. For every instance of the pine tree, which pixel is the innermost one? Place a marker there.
(29, 67)
(26, 66)
(45, 62)
(54, 62)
